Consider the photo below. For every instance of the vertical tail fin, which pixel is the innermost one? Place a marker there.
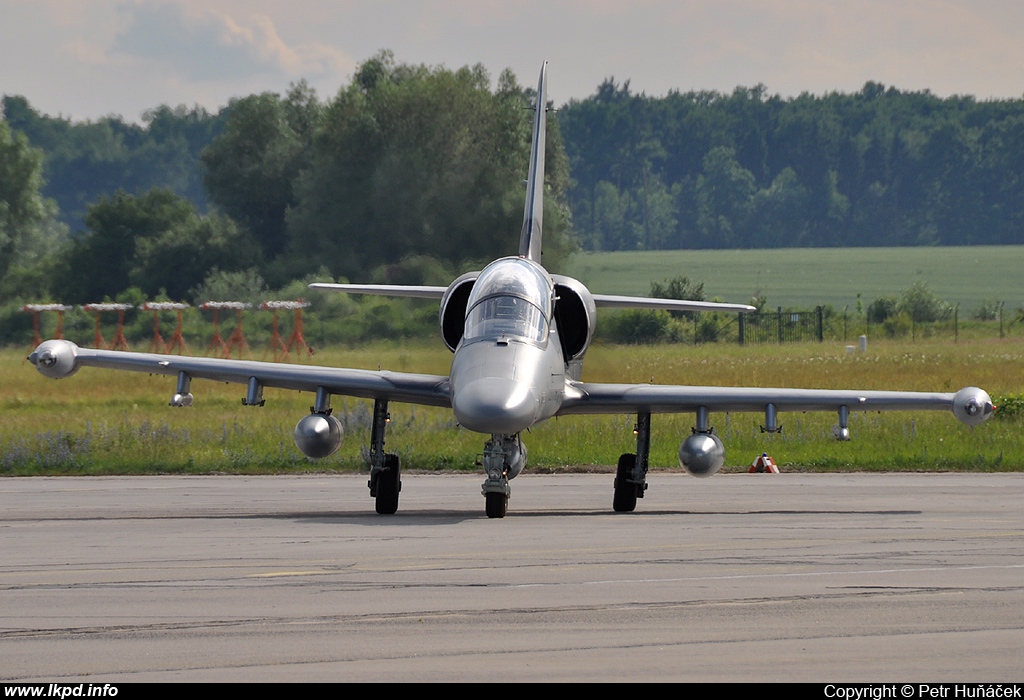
(533, 214)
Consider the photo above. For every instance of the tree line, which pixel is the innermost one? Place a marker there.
(879, 167)
(409, 173)
(413, 173)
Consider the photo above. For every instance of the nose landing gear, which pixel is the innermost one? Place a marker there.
(504, 457)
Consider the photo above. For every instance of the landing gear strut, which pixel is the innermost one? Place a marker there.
(631, 474)
(385, 469)
(504, 458)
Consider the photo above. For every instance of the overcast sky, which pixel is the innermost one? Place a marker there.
(88, 58)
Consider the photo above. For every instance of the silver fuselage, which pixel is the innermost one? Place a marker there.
(508, 372)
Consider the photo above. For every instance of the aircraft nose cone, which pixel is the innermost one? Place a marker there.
(495, 405)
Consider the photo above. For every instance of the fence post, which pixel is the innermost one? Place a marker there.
(778, 320)
(741, 324)
(821, 324)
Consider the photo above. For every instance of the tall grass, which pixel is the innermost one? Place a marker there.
(102, 422)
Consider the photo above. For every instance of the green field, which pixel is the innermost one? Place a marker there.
(807, 277)
(104, 422)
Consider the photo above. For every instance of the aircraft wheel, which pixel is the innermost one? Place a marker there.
(624, 500)
(389, 484)
(497, 504)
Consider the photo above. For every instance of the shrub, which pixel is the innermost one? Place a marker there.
(897, 326)
(921, 304)
(638, 326)
(678, 288)
(987, 311)
(882, 308)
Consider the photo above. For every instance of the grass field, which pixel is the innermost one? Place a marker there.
(102, 422)
(807, 277)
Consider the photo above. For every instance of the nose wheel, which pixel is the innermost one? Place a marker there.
(496, 504)
(504, 457)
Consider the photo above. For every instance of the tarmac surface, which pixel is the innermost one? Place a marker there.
(793, 577)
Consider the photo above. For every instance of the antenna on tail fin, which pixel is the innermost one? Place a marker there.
(533, 214)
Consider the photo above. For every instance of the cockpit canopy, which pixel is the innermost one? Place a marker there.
(512, 297)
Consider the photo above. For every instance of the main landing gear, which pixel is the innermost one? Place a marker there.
(385, 469)
(631, 473)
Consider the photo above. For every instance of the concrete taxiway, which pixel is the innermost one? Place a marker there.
(791, 577)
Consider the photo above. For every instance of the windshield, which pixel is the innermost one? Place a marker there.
(506, 316)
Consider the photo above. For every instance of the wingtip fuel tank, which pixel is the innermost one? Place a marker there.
(55, 358)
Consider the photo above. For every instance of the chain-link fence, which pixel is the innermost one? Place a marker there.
(823, 323)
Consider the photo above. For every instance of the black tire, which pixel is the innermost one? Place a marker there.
(497, 504)
(389, 484)
(624, 500)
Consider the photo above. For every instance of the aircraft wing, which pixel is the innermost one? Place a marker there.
(624, 302)
(970, 405)
(600, 300)
(387, 290)
(61, 358)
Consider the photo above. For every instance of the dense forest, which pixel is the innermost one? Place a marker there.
(408, 174)
(749, 170)
(411, 173)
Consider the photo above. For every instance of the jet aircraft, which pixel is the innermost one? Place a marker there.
(518, 336)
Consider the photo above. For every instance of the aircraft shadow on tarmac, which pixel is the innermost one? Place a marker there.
(450, 517)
